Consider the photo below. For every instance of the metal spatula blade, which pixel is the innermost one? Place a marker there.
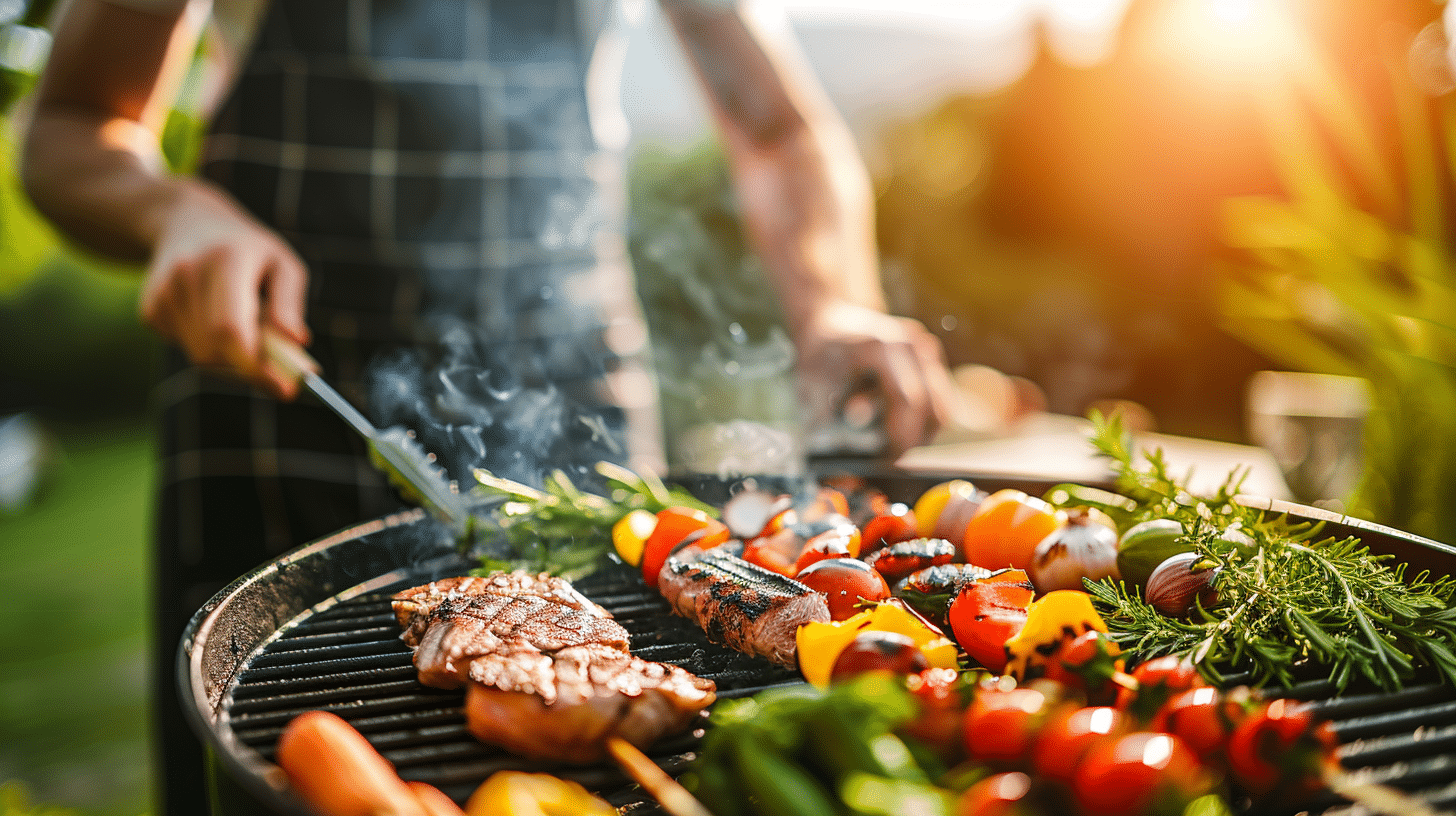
(394, 450)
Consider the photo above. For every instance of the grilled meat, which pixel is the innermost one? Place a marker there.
(738, 604)
(547, 671)
(412, 607)
(577, 697)
(458, 630)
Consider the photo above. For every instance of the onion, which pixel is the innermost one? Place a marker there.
(1084, 547)
(1181, 582)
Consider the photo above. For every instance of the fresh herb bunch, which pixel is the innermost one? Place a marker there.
(1286, 596)
(562, 529)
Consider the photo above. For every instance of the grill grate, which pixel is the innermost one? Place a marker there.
(348, 658)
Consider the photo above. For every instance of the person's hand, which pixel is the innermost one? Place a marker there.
(216, 277)
(843, 343)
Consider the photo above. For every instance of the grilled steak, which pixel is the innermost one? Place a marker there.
(547, 671)
(412, 607)
(458, 630)
(738, 604)
(577, 697)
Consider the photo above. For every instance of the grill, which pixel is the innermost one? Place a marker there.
(314, 630)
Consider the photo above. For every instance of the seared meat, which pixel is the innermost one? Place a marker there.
(576, 698)
(412, 607)
(547, 671)
(460, 629)
(740, 605)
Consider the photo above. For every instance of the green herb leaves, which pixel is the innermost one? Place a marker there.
(1287, 596)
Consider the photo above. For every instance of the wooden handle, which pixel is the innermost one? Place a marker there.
(288, 356)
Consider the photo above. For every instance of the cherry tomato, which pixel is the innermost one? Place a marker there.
(895, 524)
(1204, 718)
(955, 500)
(1136, 772)
(674, 525)
(1156, 681)
(1001, 725)
(879, 651)
(1282, 750)
(1088, 663)
(775, 553)
(986, 614)
(899, 560)
(836, 543)
(941, 694)
(825, 501)
(1003, 794)
(846, 582)
(1069, 735)
(1006, 529)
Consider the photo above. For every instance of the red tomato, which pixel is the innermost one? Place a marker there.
(835, 543)
(1158, 680)
(876, 650)
(1088, 663)
(941, 694)
(895, 524)
(845, 581)
(674, 525)
(1000, 725)
(775, 552)
(1002, 794)
(1204, 718)
(1132, 773)
(904, 557)
(1069, 735)
(1006, 528)
(1281, 749)
(986, 614)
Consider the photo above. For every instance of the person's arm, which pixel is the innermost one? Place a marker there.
(92, 164)
(808, 208)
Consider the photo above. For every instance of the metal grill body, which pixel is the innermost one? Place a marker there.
(314, 630)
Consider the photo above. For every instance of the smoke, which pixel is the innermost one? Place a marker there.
(475, 407)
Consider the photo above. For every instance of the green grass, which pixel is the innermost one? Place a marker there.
(73, 690)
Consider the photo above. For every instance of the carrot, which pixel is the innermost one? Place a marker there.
(336, 771)
(434, 801)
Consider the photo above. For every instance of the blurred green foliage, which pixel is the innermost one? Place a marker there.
(1351, 269)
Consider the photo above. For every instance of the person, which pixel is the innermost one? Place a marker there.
(371, 165)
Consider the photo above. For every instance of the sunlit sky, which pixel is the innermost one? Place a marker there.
(926, 49)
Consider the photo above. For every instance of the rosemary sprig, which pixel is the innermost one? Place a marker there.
(560, 528)
(1286, 595)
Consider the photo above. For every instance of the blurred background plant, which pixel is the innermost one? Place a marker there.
(1349, 269)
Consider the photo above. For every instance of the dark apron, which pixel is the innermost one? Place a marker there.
(434, 166)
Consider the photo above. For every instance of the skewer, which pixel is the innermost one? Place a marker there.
(674, 798)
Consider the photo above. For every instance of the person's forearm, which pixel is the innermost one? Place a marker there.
(808, 205)
(100, 180)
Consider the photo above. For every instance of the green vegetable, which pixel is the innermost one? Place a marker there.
(1287, 595)
(778, 786)
(560, 528)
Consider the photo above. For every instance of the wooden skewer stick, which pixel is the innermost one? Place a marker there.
(674, 798)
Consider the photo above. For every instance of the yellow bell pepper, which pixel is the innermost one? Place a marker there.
(819, 644)
(517, 793)
(1057, 617)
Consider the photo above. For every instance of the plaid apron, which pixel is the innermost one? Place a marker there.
(434, 165)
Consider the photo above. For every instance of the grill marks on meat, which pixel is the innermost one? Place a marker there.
(583, 695)
(458, 630)
(547, 672)
(412, 607)
(740, 605)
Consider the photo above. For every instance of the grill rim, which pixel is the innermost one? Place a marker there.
(366, 557)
